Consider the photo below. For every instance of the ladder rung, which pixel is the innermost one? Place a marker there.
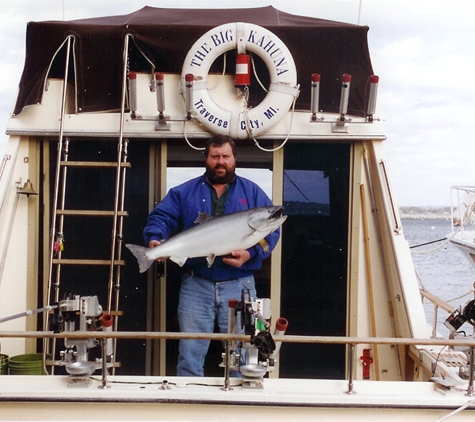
(93, 164)
(93, 213)
(87, 261)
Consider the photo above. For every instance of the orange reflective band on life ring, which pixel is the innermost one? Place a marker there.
(283, 89)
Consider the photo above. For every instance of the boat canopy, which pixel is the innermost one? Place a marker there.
(161, 39)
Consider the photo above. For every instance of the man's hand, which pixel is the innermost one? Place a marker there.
(152, 244)
(237, 258)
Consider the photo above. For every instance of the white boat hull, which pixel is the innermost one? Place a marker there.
(465, 240)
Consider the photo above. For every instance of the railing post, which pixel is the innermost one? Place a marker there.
(434, 323)
(470, 391)
(227, 351)
(351, 360)
(104, 363)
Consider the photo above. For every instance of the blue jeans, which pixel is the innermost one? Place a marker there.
(201, 304)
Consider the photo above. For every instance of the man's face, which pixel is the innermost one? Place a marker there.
(220, 164)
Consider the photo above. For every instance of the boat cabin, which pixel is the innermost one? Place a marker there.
(112, 111)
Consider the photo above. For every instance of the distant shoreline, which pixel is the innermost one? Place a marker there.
(424, 217)
(425, 213)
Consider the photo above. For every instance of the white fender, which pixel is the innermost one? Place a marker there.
(283, 89)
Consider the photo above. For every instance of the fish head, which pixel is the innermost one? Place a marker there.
(266, 219)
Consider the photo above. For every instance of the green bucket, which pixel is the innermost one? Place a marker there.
(3, 364)
(29, 364)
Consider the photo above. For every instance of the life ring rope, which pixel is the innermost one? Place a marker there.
(281, 94)
(256, 142)
(285, 89)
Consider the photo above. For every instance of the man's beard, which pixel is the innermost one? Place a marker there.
(220, 179)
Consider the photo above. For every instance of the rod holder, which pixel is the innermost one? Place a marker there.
(133, 93)
(345, 94)
(107, 322)
(160, 94)
(280, 328)
(373, 93)
(159, 91)
(315, 95)
(340, 125)
(189, 94)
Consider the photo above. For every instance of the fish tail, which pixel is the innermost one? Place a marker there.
(140, 252)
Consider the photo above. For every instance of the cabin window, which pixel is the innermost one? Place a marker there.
(263, 177)
(306, 192)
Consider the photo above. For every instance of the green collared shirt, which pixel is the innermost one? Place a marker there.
(218, 204)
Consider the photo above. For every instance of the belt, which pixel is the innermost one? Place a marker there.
(193, 274)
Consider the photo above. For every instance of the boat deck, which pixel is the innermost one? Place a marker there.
(150, 398)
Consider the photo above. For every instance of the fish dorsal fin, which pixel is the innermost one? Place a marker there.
(202, 217)
(210, 260)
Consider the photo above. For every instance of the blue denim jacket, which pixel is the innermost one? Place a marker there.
(179, 210)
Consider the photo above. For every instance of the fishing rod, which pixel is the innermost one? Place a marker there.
(29, 312)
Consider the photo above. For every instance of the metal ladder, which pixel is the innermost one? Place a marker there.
(59, 212)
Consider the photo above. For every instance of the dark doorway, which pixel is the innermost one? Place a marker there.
(184, 164)
(314, 257)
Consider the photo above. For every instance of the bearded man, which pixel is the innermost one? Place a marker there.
(205, 291)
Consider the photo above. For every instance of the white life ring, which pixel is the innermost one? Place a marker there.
(283, 89)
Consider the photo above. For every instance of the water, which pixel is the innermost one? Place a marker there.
(441, 267)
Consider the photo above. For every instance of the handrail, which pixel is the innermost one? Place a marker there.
(394, 209)
(156, 335)
(350, 341)
(437, 301)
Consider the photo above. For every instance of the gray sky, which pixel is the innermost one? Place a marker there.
(422, 50)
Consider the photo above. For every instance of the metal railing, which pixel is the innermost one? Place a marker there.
(350, 341)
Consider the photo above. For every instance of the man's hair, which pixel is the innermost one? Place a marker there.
(218, 141)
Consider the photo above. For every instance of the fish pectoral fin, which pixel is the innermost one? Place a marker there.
(179, 260)
(210, 260)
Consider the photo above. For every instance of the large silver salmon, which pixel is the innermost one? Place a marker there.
(213, 237)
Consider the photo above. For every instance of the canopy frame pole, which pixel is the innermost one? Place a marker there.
(69, 40)
(119, 199)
